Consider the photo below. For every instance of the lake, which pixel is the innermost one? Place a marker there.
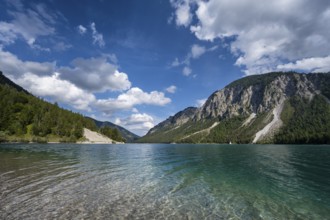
(157, 181)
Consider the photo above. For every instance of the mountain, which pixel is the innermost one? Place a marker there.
(276, 107)
(5, 81)
(127, 135)
(26, 118)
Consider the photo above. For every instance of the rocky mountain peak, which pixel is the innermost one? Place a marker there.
(273, 108)
(254, 96)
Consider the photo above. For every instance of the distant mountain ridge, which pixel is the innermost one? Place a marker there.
(126, 134)
(270, 108)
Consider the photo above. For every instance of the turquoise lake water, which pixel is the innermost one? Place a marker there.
(159, 181)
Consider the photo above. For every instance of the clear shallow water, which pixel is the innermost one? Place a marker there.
(154, 181)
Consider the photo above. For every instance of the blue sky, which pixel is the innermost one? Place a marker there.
(136, 63)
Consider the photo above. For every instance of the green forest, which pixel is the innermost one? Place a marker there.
(305, 122)
(25, 118)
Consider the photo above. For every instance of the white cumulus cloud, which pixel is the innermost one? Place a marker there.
(96, 74)
(12, 65)
(75, 85)
(129, 99)
(171, 89)
(93, 74)
(314, 64)
(56, 88)
(183, 16)
(137, 123)
(264, 34)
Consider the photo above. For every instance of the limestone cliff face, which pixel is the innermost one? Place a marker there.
(256, 97)
(253, 95)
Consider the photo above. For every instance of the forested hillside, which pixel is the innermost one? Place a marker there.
(25, 118)
(305, 121)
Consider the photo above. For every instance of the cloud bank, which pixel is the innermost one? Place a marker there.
(58, 89)
(96, 74)
(263, 35)
(132, 97)
(76, 85)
